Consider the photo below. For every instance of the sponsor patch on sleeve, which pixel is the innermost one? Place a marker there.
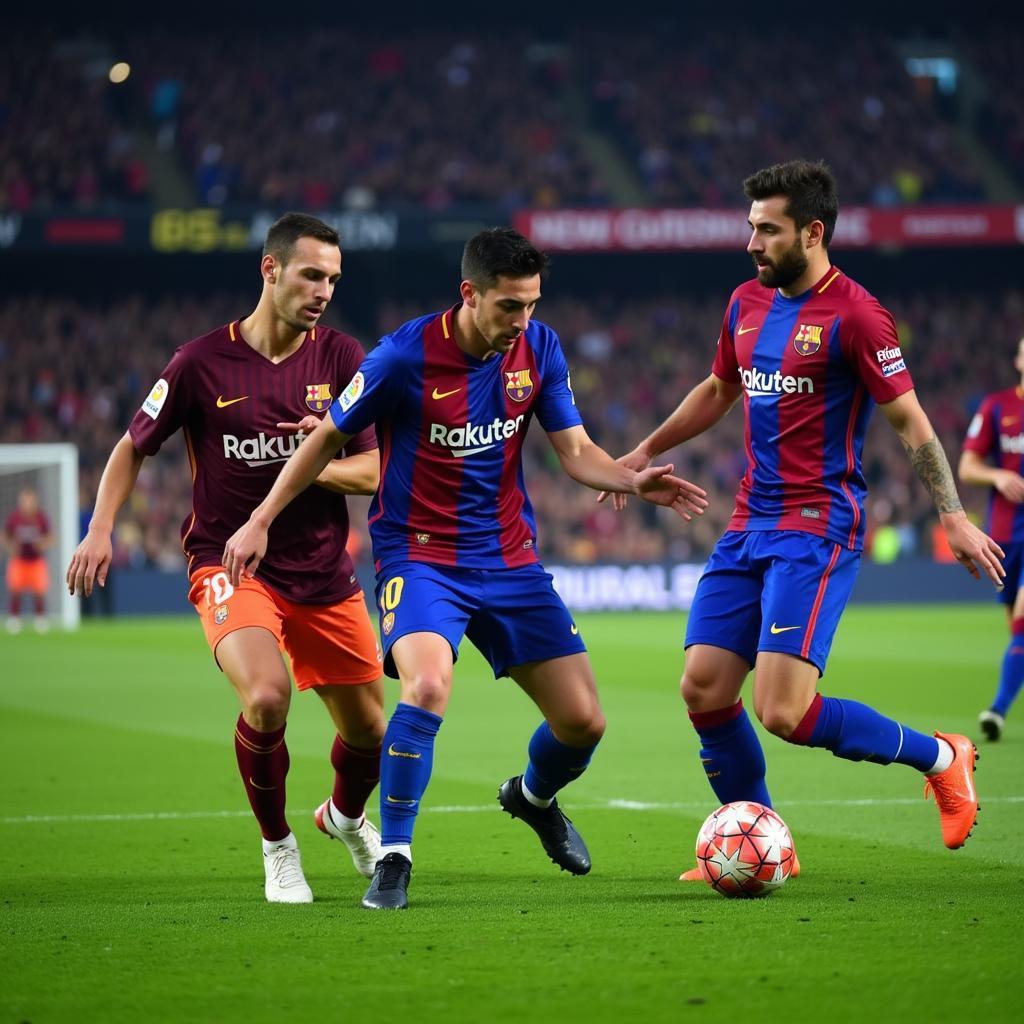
(155, 399)
(897, 366)
(975, 428)
(351, 394)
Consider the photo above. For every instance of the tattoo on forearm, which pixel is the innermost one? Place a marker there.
(932, 466)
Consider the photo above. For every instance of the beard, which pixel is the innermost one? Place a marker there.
(789, 268)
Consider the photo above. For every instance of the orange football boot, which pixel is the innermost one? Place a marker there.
(954, 791)
(694, 875)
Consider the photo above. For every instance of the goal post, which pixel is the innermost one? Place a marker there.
(52, 471)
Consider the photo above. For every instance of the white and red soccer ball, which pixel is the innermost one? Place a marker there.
(744, 849)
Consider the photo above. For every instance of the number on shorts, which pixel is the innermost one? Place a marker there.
(218, 588)
(392, 593)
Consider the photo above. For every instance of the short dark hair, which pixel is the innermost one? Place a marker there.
(809, 188)
(288, 229)
(496, 252)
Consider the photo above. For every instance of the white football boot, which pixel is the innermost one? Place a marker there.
(363, 842)
(283, 866)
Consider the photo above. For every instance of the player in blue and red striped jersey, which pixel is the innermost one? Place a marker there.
(454, 537)
(811, 352)
(996, 433)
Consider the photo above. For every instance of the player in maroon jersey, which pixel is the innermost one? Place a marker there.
(244, 395)
(27, 535)
(810, 352)
(993, 456)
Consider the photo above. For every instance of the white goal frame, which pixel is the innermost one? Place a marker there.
(58, 492)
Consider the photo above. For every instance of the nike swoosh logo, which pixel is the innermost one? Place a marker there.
(402, 753)
(784, 629)
(395, 800)
(222, 404)
(1007, 420)
(256, 785)
(444, 394)
(574, 630)
(746, 330)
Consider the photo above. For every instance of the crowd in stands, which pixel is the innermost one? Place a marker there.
(431, 119)
(701, 114)
(63, 143)
(72, 371)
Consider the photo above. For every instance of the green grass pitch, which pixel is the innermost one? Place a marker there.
(131, 874)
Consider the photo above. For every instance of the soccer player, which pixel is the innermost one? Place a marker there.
(245, 395)
(455, 542)
(997, 433)
(27, 535)
(810, 351)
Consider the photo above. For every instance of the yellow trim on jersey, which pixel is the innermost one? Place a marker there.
(231, 330)
(828, 282)
(312, 335)
(444, 325)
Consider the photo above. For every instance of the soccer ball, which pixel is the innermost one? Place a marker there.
(744, 849)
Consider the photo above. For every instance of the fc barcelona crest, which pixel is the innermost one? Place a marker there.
(518, 385)
(318, 397)
(808, 339)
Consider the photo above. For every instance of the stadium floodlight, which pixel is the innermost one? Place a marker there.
(52, 471)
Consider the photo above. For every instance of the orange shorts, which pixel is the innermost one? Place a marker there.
(29, 574)
(328, 644)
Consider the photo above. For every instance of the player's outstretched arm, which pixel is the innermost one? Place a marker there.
(974, 550)
(702, 408)
(355, 474)
(247, 546)
(91, 561)
(973, 469)
(591, 465)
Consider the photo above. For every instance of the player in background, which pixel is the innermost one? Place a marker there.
(993, 455)
(243, 395)
(455, 542)
(27, 535)
(810, 351)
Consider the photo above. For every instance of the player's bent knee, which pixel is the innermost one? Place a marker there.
(583, 730)
(266, 709)
(428, 692)
(780, 721)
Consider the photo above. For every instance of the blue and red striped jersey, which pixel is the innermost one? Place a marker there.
(997, 433)
(811, 367)
(451, 430)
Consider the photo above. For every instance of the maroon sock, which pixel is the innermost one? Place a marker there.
(263, 764)
(40, 604)
(15, 604)
(356, 773)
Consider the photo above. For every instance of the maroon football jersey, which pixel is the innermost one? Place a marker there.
(27, 533)
(228, 399)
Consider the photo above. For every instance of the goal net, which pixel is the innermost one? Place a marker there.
(51, 470)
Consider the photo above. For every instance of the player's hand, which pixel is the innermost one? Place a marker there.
(1010, 485)
(244, 551)
(974, 550)
(635, 460)
(657, 485)
(307, 424)
(89, 564)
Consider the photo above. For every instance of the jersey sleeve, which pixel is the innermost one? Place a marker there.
(726, 366)
(373, 390)
(981, 434)
(868, 337)
(165, 408)
(556, 404)
(366, 439)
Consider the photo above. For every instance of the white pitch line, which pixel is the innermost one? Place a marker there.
(608, 805)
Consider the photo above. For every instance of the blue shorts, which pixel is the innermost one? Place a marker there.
(773, 590)
(511, 616)
(1012, 565)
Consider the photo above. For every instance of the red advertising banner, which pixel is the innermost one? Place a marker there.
(681, 230)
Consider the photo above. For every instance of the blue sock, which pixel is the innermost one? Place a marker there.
(553, 764)
(405, 764)
(858, 733)
(731, 754)
(1012, 674)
